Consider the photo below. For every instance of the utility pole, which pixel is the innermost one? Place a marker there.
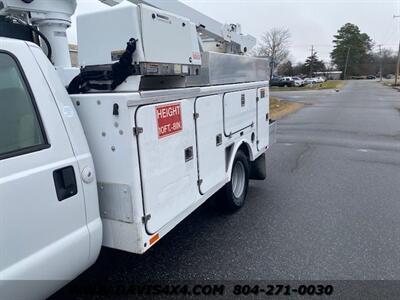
(381, 63)
(347, 62)
(272, 67)
(398, 59)
(397, 66)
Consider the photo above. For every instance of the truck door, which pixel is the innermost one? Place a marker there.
(43, 232)
(262, 118)
(168, 162)
(210, 134)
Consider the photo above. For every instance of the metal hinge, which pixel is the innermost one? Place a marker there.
(137, 130)
(146, 218)
(199, 182)
(196, 115)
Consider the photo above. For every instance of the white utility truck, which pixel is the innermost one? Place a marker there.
(165, 111)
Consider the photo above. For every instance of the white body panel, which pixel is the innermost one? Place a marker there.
(153, 171)
(173, 33)
(90, 32)
(154, 29)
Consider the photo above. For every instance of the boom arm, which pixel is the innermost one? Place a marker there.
(208, 28)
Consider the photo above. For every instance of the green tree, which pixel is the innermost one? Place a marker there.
(349, 41)
(313, 64)
(298, 69)
(286, 69)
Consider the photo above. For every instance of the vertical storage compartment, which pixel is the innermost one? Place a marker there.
(211, 152)
(240, 109)
(168, 162)
(262, 118)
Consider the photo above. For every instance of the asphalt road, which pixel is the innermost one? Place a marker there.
(330, 208)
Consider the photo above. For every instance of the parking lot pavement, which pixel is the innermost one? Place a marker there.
(306, 96)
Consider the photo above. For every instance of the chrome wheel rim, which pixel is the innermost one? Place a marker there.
(238, 179)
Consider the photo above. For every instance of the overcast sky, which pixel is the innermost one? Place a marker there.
(310, 22)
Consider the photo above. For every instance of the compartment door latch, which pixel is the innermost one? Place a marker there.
(146, 218)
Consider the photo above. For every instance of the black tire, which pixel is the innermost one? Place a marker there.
(233, 195)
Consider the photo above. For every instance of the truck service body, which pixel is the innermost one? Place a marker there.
(150, 177)
(119, 167)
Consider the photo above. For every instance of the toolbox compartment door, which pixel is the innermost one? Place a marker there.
(168, 162)
(239, 111)
(211, 152)
(262, 118)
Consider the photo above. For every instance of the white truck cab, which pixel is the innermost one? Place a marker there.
(49, 212)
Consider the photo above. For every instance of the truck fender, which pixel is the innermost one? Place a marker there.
(231, 154)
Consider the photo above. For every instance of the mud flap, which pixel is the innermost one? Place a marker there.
(258, 169)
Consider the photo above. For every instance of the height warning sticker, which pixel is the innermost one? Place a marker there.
(169, 119)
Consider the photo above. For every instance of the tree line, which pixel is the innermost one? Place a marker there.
(352, 54)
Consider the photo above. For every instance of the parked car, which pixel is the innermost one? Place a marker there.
(274, 81)
(288, 82)
(298, 81)
(310, 80)
(282, 82)
(371, 77)
(320, 79)
(314, 80)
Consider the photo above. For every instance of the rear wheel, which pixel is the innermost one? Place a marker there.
(233, 195)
